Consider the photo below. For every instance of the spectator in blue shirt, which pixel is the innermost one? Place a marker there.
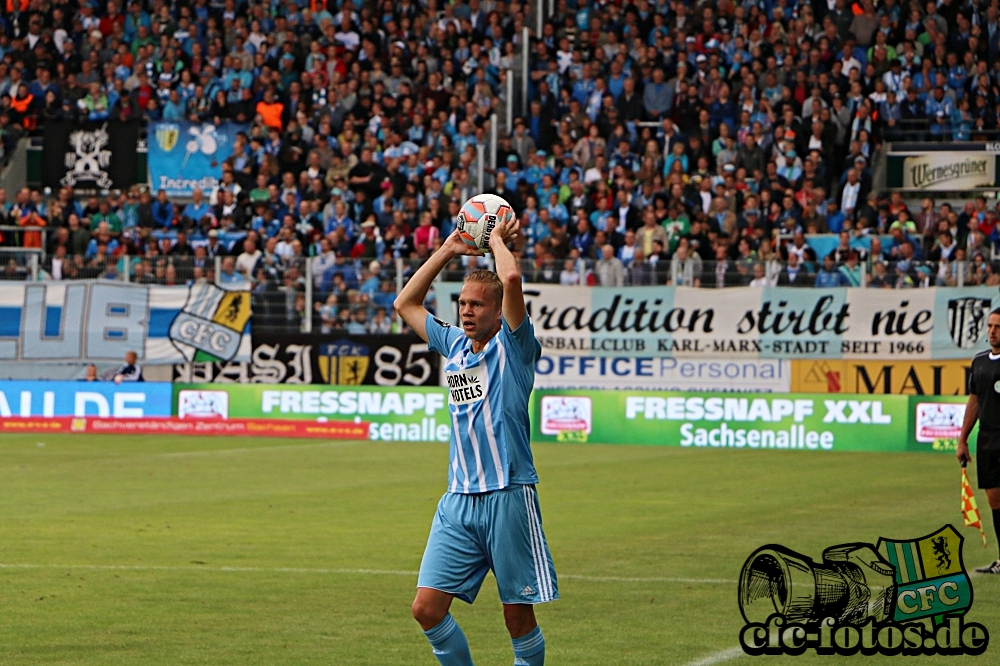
(163, 211)
(834, 216)
(657, 97)
(828, 276)
(198, 208)
(583, 239)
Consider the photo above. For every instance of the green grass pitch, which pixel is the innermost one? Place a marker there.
(165, 550)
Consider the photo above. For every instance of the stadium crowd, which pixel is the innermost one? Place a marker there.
(696, 143)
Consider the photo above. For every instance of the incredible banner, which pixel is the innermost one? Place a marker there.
(751, 421)
(882, 377)
(186, 156)
(397, 415)
(773, 322)
(92, 321)
(381, 360)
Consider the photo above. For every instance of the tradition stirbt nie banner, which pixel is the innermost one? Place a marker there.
(773, 322)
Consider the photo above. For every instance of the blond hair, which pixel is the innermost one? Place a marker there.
(493, 284)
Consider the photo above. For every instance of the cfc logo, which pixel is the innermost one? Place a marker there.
(211, 322)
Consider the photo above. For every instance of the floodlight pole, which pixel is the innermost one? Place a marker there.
(510, 101)
(493, 141)
(307, 319)
(481, 160)
(525, 41)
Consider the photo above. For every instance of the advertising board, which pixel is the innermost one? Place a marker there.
(752, 421)
(585, 371)
(104, 399)
(402, 414)
(880, 377)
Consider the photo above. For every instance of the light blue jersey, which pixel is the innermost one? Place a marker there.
(488, 401)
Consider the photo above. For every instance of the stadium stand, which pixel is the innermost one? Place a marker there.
(706, 144)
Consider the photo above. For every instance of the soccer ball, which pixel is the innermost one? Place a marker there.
(479, 216)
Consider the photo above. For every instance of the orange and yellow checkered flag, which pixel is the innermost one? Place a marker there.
(970, 510)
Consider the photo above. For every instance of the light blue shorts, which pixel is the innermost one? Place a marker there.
(499, 531)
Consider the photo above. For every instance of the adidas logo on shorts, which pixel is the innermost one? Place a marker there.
(527, 591)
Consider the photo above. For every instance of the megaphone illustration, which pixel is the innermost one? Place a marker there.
(852, 585)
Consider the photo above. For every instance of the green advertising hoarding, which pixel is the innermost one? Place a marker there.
(724, 420)
(821, 422)
(395, 414)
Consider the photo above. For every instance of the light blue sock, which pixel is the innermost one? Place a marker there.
(449, 644)
(529, 650)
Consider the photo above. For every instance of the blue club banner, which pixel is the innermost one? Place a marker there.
(747, 322)
(95, 321)
(186, 156)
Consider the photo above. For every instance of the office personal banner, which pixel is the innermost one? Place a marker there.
(98, 322)
(89, 155)
(747, 322)
(380, 360)
(403, 414)
(102, 399)
(746, 421)
(881, 377)
(588, 371)
(186, 156)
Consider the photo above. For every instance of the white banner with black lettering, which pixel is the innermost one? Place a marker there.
(747, 322)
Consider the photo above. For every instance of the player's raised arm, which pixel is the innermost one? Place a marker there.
(508, 271)
(410, 301)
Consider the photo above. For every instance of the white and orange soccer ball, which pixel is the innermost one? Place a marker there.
(479, 216)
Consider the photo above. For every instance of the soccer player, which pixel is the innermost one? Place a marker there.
(489, 518)
(984, 406)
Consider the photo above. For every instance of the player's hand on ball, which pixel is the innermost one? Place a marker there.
(456, 245)
(506, 231)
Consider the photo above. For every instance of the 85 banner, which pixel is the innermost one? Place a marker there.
(378, 360)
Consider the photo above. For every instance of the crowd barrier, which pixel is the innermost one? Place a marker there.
(98, 322)
(780, 421)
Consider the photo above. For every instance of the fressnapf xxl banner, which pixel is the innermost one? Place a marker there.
(88, 155)
(748, 322)
(98, 322)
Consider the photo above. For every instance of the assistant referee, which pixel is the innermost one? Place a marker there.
(984, 406)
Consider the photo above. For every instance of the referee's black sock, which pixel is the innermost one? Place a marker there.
(996, 525)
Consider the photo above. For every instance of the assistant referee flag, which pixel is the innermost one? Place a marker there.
(970, 511)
